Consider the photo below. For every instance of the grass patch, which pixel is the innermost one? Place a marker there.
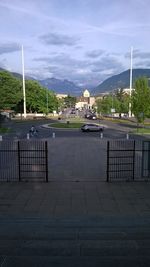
(30, 120)
(5, 130)
(142, 131)
(118, 120)
(147, 123)
(73, 119)
(70, 125)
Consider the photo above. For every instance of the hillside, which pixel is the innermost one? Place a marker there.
(57, 85)
(61, 86)
(18, 75)
(121, 80)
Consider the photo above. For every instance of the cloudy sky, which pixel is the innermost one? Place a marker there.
(85, 41)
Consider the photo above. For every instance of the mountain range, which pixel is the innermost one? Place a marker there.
(121, 80)
(57, 85)
(61, 86)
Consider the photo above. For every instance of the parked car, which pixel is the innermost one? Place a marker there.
(87, 116)
(91, 128)
(90, 116)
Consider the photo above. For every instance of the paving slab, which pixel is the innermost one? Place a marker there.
(69, 198)
(74, 224)
(75, 261)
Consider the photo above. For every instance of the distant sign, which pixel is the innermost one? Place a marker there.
(141, 114)
(112, 110)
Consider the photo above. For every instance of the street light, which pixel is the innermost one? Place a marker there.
(112, 104)
(47, 101)
(131, 55)
(23, 84)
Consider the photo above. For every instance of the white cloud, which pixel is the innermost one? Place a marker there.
(90, 37)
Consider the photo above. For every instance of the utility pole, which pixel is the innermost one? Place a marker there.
(47, 101)
(23, 84)
(131, 55)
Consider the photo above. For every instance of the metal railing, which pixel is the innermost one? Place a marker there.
(23, 160)
(128, 160)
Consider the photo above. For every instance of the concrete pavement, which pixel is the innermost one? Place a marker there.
(74, 224)
(74, 198)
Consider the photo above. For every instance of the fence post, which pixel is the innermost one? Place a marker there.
(1, 138)
(46, 159)
(28, 136)
(101, 135)
(19, 171)
(107, 161)
(53, 135)
(133, 157)
(127, 136)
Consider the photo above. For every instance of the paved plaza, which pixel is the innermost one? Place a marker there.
(77, 159)
(77, 218)
(74, 224)
(74, 198)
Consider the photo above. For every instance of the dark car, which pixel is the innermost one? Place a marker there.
(91, 128)
(87, 116)
(90, 116)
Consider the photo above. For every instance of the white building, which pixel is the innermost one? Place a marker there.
(85, 101)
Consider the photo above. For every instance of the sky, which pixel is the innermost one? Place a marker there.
(84, 41)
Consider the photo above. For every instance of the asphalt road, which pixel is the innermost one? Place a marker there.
(20, 130)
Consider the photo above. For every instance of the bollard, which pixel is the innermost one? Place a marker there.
(53, 135)
(28, 136)
(127, 136)
(101, 135)
(1, 138)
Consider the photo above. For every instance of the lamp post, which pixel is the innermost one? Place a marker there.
(112, 104)
(23, 84)
(131, 55)
(47, 101)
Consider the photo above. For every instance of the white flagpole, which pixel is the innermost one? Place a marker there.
(131, 56)
(23, 83)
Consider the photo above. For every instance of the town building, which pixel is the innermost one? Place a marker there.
(85, 101)
(60, 96)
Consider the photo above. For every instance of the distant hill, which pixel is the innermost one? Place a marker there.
(57, 85)
(61, 86)
(18, 75)
(121, 80)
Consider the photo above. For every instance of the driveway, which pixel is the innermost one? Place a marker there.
(77, 159)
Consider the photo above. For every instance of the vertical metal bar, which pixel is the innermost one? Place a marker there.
(148, 163)
(108, 161)
(19, 169)
(46, 160)
(133, 160)
(143, 157)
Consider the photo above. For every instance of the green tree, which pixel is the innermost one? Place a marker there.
(61, 104)
(38, 97)
(10, 90)
(122, 101)
(104, 105)
(141, 99)
(70, 101)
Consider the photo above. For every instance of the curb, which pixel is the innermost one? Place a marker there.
(59, 129)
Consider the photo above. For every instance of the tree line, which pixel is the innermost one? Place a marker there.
(41, 100)
(119, 100)
(38, 98)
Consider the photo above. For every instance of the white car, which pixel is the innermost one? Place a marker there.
(91, 127)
